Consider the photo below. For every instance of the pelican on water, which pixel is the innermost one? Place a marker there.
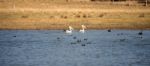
(83, 29)
(70, 30)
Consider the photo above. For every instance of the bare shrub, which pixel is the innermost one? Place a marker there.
(24, 16)
(78, 16)
(51, 17)
(127, 4)
(65, 17)
(101, 15)
(141, 15)
(84, 16)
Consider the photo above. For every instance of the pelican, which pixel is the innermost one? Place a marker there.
(70, 30)
(83, 29)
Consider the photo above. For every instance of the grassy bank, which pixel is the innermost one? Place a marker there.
(60, 15)
(94, 23)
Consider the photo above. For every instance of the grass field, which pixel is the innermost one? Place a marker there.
(37, 14)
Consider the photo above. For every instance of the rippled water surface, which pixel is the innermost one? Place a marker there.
(93, 48)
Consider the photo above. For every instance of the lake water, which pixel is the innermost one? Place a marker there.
(56, 48)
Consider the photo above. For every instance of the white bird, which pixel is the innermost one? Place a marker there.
(70, 30)
(83, 29)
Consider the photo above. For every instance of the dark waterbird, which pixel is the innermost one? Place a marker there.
(122, 40)
(140, 33)
(64, 30)
(74, 37)
(58, 38)
(109, 30)
(78, 41)
(14, 36)
(85, 39)
(83, 45)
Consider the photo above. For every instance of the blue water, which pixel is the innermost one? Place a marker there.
(56, 48)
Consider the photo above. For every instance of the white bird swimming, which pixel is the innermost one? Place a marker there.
(70, 30)
(83, 29)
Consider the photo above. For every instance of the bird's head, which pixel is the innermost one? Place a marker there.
(70, 27)
(83, 26)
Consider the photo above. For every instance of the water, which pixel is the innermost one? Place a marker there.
(93, 48)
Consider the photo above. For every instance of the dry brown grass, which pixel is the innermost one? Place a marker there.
(59, 15)
(91, 23)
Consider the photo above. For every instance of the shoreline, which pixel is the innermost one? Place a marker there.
(62, 24)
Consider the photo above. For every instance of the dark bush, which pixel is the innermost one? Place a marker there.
(78, 16)
(101, 15)
(24, 16)
(141, 15)
(84, 16)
